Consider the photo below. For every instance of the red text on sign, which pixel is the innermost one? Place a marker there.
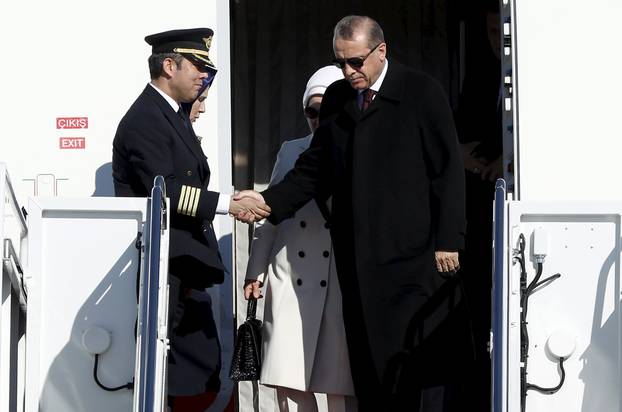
(72, 143)
(72, 122)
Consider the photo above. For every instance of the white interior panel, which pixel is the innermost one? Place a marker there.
(569, 98)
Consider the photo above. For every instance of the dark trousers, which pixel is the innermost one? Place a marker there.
(429, 376)
(448, 397)
(442, 398)
(194, 356)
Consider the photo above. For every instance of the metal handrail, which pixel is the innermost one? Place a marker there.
(149, 297)
(16, 276)
(498, 298)
(13, 201)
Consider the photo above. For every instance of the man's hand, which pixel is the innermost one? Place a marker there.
(471, 163)
(253, 208)
(446, 261)
(493, 170)
(252, 287)
(249, 208)
(249, 193)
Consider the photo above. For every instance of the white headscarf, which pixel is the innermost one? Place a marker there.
(319, 81)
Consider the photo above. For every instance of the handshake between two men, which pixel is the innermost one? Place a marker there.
(248, 206)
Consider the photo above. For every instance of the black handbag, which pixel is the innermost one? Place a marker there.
(246, 362)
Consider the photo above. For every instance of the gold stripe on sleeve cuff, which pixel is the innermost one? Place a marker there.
(182, 197)
(193, 194)
(189, 200)
(193, 212)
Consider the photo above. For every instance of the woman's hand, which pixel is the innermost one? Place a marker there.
(252, 286)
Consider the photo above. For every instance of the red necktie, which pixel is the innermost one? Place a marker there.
(368, 96)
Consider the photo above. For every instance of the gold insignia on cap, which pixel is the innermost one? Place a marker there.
(208, 42)
(191, 51)
(208, 61)
(197, 55)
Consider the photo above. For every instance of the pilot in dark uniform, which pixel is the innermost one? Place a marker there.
(155, 137)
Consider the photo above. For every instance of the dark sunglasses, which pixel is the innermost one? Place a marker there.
(311, 113)
(354, 62)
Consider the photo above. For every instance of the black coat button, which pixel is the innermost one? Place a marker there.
(323, 283)
(303, 224)
(189, 173)
(299, 282)
(301, 254)
(325, 253)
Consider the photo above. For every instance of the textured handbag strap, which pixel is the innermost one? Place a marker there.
(251, 310)
(255, 343)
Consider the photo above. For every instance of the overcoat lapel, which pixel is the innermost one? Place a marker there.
(393, 84)
(352, 108)
(390, 92)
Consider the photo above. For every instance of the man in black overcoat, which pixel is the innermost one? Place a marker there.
(155, 137)
(390, 159)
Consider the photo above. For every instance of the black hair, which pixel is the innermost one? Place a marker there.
(157, 59)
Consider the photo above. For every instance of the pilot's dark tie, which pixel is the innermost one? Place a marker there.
(184, 119)
(368, 96)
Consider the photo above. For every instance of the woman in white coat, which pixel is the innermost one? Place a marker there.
(304, 345)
